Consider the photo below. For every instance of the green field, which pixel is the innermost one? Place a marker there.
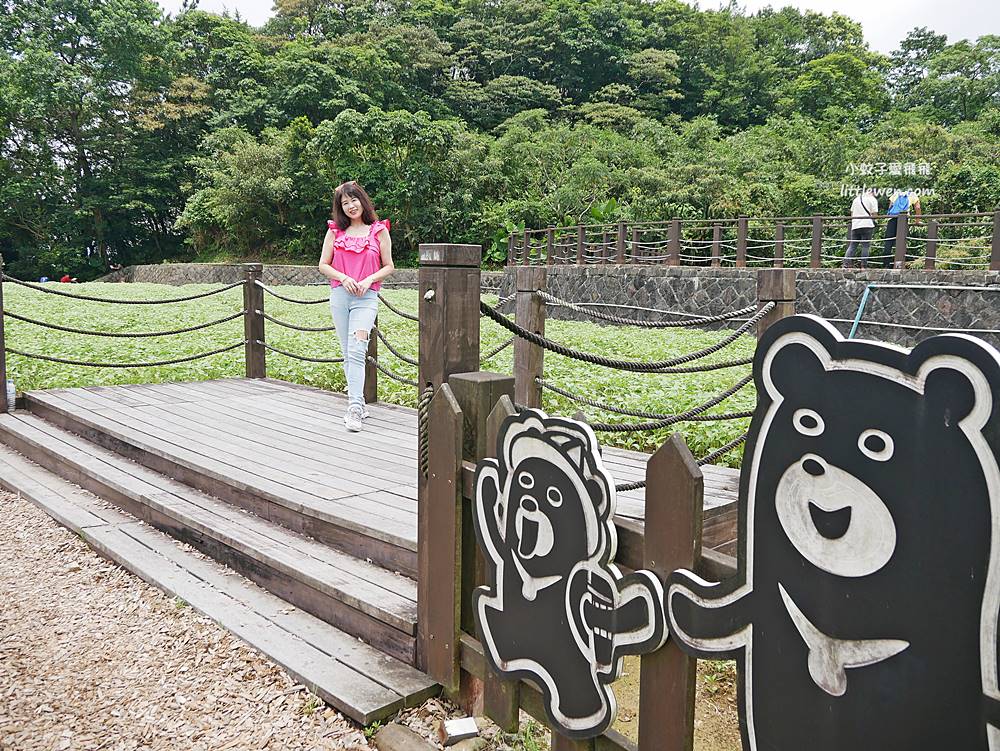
(650, 392)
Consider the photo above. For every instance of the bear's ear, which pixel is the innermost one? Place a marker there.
(793, 370)
(949, 395)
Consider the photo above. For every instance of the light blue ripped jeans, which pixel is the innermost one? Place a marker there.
(350, 315)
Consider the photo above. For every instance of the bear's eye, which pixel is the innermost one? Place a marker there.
(554, 496)
(808, 422)
(876, 445)
(526, 481)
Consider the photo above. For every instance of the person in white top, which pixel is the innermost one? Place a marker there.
(863, 211)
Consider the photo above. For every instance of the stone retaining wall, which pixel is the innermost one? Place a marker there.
(227, 273)
(830, 293)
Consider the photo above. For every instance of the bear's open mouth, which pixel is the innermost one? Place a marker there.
(831, 524)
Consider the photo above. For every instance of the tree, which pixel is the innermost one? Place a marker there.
(76, 75)
(963, 80)
(910, 63)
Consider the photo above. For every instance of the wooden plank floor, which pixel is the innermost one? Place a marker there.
(287, 440)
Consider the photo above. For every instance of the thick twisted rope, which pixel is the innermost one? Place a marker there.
(504, 300)
(95, 298)
(708, 459)
(397, 311)
(396, 352)
(122, 335)
(630, 486)
(423, 409)
(721, 451)
(294, 326)
(661, 420)
(280, 296)
(497, 350)
(294, 356)
(552, 300)
(153, 364)
(629, 365)
(394, 376)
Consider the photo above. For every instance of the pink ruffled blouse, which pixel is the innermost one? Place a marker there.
(358, 257)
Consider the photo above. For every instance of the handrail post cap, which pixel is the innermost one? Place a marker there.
(529, 278)
(447, 254)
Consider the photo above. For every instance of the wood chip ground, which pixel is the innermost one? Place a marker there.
(91, 657)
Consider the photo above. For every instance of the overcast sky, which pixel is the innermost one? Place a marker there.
(885, 21)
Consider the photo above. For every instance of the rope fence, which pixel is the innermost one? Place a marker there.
(629, 365)
(152, 364)
(123, 334)
(115, 301)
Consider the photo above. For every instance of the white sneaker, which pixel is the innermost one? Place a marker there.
(353, 418)
(365, 414)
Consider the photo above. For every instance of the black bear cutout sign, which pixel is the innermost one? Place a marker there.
(558, 611)
(864, 614)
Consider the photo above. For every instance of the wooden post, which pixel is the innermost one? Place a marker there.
(742, 232)
(605, 247)
(438, 617)
(253, 321)
(371, 372)
(529, 313)
(674, 244)
(449, 283)
(3, 351)
(526, 250)
(777, 286)
(510, 249)
(674, 493)
(501, 698)
(550, 245)
(716, 246)
(561, 743)
(902, 231)
(620, 244)
(779, 245)
(930, 254)
(636, 252)
(581, 245)
(449, 279)
(995, 246)
(477, 394)
(816, 260)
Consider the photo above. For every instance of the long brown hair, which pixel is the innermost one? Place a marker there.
(352, 189)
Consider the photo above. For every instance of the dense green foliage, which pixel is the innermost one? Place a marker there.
(663, 393)
(127, 137)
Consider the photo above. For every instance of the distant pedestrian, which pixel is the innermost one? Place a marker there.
(863, 211)
(900, 204)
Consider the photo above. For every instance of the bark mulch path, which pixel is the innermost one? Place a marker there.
(91, 657)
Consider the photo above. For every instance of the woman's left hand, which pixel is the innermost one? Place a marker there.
(363, 286)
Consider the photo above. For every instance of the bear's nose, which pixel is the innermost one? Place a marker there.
(813, 467)
(529, 504)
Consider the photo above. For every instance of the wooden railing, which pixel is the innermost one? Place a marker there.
(459, 428)
(951, 241)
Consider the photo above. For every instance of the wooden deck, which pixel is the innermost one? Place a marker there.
(262, 476)
(277, 447)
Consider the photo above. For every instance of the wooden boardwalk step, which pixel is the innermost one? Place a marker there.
(313, 489)
(358, 597)
(360, 681)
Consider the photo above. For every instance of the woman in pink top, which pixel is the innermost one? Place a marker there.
(357, 256)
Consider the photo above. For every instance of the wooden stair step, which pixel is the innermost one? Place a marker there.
(355, 595)
(355, 523)
(363, 683)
